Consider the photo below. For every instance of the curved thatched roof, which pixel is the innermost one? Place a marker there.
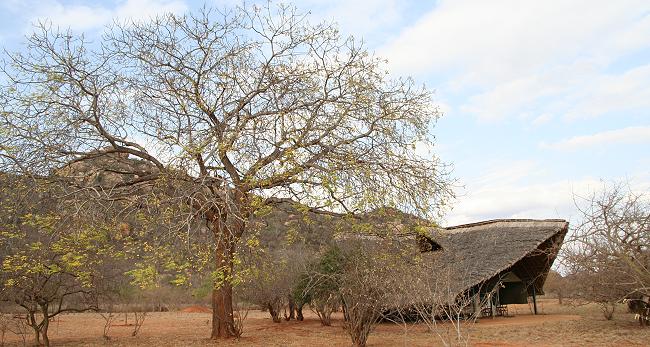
(474, 254)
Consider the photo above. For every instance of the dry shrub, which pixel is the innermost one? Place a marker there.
(324, 306)
(5, 321)
(13, 323)
(240, 315)
(140, 316)
(372, 282)
(109, 318)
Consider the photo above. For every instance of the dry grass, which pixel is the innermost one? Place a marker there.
(556, 326)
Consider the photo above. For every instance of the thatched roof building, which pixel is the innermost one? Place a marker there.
(512, 255)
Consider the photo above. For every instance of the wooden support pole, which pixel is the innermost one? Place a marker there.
(534, 299)
(491, 308)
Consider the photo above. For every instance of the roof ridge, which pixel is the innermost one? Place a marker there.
(492, 221)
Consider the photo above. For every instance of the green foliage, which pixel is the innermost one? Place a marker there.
(203, 289)
(48, 253)
(144, 276)
(54, 252)
(320, 281)
(332, 262)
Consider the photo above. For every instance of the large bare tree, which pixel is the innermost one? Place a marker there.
(226, 112)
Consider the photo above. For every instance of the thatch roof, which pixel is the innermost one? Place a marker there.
(477, 254)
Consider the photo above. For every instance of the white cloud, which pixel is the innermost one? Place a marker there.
(512, 58)
(359, 18)
(504, 172)
(513, 97)
(552, 200)
(542, 119)
(506, 191)
(145, 9)
(79, 17)
(504, 39)
(606, 93)
(576, 91)
(75, 17)
(630, 135)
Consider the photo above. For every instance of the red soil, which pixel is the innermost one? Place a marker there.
(197, 309)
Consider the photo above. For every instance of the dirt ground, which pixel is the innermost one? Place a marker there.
(557, 325)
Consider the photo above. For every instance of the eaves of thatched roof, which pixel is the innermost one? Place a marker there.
(476, 254)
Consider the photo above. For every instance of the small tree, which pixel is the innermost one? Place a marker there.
(363, 299)
(435, 297)
(269, 281)
(11, 323)
(372, 281)
(58, 258)
(319, 284)
(556, 284)
(608, 255)
(52, 263)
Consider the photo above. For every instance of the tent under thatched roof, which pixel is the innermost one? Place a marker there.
(477, 256)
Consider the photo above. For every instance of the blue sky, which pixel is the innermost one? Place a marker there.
(541, 99)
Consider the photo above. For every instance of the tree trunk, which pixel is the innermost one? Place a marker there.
(37, 337)
(292, 307)
(46, 325)
(345, 311)
(299, 315)
(32, 323)
(275, 313)
(227, 228)
(46, 339)
(223, 323)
